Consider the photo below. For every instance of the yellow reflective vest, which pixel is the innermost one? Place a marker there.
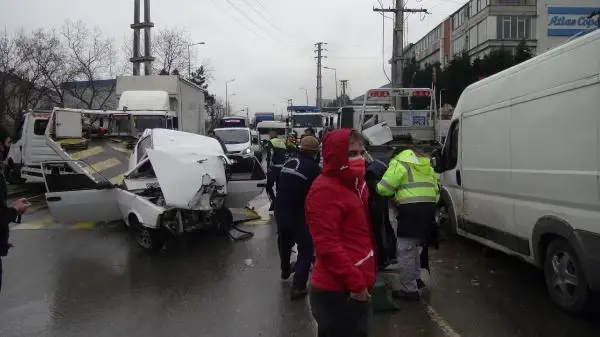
(409, 179)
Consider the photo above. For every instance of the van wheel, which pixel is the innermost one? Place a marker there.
(565, 277)
(446, 218)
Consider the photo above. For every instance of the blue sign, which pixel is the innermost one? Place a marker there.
(420, 120)
(570, 21)
(303, 108)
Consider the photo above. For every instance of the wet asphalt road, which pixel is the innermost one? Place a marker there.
(94, 281)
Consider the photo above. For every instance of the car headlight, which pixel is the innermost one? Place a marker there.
(247, 151)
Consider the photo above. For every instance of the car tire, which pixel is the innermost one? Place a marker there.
(222, 221)
(565, 277)
(12, 173)
(148, 238)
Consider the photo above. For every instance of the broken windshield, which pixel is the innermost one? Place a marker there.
(233, 136)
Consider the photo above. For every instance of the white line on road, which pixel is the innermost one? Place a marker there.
(441, 322)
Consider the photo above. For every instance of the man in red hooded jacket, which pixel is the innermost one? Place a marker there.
(337, 216)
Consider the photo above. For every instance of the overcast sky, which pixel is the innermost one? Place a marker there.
(266, 45)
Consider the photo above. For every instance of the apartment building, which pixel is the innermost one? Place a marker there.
(481, 26)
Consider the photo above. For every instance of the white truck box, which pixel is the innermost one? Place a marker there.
(185, 98)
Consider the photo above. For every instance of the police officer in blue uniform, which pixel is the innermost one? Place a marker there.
(294, 182)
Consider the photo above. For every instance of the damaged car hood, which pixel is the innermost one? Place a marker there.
(187, 179)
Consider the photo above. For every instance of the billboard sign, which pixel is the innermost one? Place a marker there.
(570, 21)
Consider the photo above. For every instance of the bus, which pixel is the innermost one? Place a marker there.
(233, 122)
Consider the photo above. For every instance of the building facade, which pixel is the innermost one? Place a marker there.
(481, 26)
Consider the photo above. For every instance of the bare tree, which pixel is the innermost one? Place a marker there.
(90, 57)
(18, 78)
(46, 56)
(170, 49)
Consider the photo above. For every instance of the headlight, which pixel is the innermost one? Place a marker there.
(247, 151)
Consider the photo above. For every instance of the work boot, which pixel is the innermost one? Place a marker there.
(285, 274)
(298, 293)
(405, 295)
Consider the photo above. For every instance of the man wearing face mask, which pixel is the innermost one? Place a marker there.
(337, 214)
(7, 214)
(295, 179)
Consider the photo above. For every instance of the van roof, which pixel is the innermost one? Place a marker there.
(534, 74)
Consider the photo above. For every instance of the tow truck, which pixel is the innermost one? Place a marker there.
(408, 127)
(169, 183)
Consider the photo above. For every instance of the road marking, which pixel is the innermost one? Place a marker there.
(117, 180)
(121, 148)
(86, 153)
(45, 221)
(84, 225)
(102, 166)
(440, 322)
(26, 226)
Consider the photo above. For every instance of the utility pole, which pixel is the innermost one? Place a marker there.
(137, 59)
(319, 57)
(398, 45)
(344, 86)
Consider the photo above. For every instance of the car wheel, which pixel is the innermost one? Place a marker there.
(565, 277)
(12, 173)
(222, 221)
(148, 238)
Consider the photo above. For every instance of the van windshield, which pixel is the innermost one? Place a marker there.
(301, 120)
(233, 136)
(149, 122)
(265, 131)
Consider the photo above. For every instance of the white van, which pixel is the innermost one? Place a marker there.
(238, 141)
(521, 166)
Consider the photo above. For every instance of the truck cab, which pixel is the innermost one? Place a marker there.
(29, 149)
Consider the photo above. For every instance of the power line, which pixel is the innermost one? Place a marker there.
(263, 17)
(249, 19)
(243, 24)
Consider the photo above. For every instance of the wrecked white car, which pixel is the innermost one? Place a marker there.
(168, 184)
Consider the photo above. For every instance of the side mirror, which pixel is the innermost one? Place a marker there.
(437, 161)
(104, 185)
(254, 141)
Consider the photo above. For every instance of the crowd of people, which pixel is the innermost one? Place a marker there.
(338, 215)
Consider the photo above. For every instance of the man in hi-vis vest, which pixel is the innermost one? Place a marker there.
(412, 183)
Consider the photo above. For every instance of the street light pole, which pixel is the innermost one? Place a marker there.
(306, 90)
(227, 95)
(337, 100)
(190, 57)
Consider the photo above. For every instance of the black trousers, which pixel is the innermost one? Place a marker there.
(287, 236)
(0, 274)
(338, 315)
(271, 180)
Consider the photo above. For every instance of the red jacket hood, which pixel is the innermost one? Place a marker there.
(335, 151)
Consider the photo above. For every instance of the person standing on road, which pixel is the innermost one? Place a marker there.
(338, 219)
(276, 155)
(295, 179)
(412, 183)
(7, 214)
